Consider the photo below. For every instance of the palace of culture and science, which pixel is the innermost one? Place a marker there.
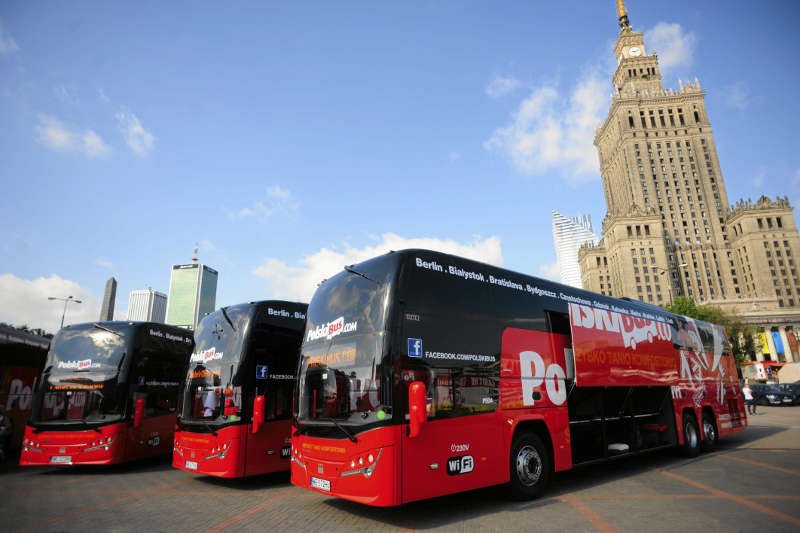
(669, 229)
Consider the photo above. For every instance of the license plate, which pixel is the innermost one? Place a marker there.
(321, 484)
(191, 465)
(61, 459)
(787, 400)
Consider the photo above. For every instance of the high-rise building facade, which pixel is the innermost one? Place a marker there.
(109, 299)
(568, 236)
(669, 229)
(192, 294)
(147, 305)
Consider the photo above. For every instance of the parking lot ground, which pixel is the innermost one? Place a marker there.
(751, 482)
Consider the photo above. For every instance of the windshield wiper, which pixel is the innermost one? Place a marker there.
(342, 428)
(225, 314)
(98, 326)
(209, 427)
(357, 273)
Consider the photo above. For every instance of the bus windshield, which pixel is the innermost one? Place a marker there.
(80, 377)
(342, 375)
(213, 391)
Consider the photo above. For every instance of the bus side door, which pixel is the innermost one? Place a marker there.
(459, 448)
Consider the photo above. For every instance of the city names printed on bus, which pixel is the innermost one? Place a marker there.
(286, 314)
(169, 336)
(524, 287)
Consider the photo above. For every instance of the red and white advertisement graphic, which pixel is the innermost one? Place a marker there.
(533, 369)
(618, 349)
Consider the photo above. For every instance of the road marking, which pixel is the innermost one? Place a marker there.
(760, 464)
(238, 517)
(733, 497)
(595, 519)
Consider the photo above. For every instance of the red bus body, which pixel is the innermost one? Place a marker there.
(22, 356)
(108, 394)
(590, 377)
(235, 451)
(253, 378)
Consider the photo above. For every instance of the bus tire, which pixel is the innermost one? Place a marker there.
(710, 436)
(530, 467)
(691, 436)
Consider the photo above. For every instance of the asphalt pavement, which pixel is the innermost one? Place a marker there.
(751, 482)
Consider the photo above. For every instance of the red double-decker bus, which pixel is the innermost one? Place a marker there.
(236, 415)
(424, 374)
(108, 394)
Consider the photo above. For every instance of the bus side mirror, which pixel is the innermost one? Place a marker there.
(138, 412)
(258, 412)
(417, 408)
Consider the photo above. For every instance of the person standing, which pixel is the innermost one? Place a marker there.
(748, 399)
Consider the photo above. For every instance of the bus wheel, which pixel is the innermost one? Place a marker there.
(530, 467)
(691, 436)
(709, 433)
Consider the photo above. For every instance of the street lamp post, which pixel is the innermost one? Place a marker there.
(669, 281)
(66, 300)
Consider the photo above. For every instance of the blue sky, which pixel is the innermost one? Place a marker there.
(289, 139)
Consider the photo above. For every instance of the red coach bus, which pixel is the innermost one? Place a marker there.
(22, 355)
(108, 394)
(424, 374)
(236, 413)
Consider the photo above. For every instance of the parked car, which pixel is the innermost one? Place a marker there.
(793, 388)
(772, 395)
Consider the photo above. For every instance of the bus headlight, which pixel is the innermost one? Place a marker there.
(368, 459)
(220, 451)
(100, 444)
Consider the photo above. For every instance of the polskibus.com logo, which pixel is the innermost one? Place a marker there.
(331, 329)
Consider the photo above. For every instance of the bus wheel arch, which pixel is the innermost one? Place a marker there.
(690, 433)
(710, 434)
(530, 460)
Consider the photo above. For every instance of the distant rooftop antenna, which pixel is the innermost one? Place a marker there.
(196, 249)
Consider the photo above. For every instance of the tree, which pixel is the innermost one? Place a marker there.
(740, 334)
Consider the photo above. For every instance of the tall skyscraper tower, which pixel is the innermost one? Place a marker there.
(109, 298)
(147, 305)
(670, 230)
(568, 236)
(192, 293)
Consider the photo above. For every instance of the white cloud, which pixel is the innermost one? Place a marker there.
(103, 262)
(93, 145)
(738, 96)
(454, 156)
(7, 43)
(675, 48)
(25, 302)
(500, 86)
(298, 282)
(53, 134)
(278, 200)
(136, 137)
(65, 94)
(548, 130)
(550, 271)
(102, 95)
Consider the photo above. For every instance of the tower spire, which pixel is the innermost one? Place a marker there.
(622, 14)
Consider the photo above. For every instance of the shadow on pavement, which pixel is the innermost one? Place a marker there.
(448, 510)
(248, 483)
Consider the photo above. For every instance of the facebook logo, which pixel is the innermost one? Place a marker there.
(414, 347)
(261, 371)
